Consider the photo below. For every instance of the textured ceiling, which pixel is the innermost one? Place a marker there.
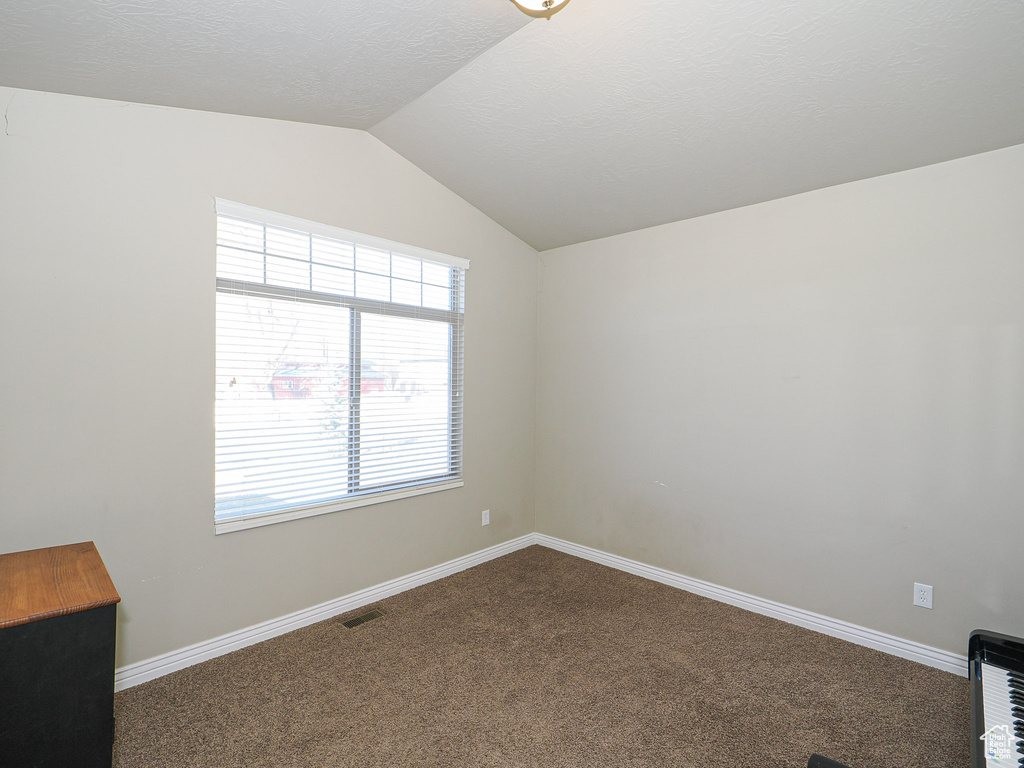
(619, 115)
(612, 116)
(348, 63)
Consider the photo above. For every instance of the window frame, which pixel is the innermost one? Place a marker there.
(454, 317)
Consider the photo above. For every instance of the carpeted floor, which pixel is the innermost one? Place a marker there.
(542, 659)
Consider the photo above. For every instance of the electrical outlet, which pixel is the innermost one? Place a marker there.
(487, 520)
(923, 595)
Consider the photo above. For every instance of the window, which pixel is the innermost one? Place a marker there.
(339, 369)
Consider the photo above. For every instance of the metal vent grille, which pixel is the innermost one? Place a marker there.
(355, 622)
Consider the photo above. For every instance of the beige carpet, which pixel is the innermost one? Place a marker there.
(542, 659)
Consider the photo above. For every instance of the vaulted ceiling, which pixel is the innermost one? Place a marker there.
(612, 116)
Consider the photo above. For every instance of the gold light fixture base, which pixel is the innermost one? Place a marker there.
(540, 9)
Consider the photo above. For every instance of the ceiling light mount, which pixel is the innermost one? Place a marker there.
(540, 9)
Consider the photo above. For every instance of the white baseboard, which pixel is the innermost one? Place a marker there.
(149, 669)
(870, 638)
(158, 666)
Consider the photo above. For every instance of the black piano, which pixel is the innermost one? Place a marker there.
(997, 700)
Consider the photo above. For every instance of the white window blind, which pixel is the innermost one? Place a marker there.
(339, 368)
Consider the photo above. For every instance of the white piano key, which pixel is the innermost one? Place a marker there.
(995, 686)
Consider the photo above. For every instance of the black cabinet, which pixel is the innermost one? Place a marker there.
(57, 621)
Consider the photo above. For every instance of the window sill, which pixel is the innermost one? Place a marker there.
(270, 518)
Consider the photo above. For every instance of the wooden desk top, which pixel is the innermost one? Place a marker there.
(42, 583)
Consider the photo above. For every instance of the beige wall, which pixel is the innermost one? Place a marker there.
(818, 400)
(106, 358)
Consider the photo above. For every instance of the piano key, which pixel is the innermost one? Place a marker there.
(1001, 715)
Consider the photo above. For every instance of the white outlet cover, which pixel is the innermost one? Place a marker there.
(486, 517)
(923, 595)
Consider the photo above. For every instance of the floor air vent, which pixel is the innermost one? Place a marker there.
(352, 623)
